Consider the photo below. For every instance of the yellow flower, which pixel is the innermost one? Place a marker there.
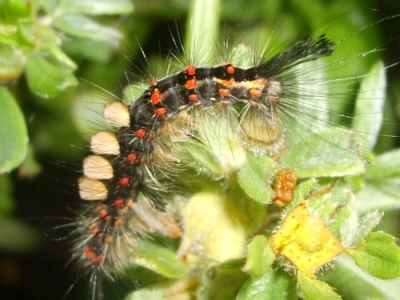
(305, 240)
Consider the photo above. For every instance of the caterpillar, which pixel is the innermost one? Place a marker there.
(252, 111)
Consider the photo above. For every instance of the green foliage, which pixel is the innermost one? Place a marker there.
(45, 44)
(13, 130)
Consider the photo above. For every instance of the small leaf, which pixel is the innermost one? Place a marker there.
(160, 260)
(13, 132)
(366, 225)
(301, 191)
(259, 257)
(202, 158)
(314, 289)
(385, 165)
(222, 281)
(329, 152)
(378, 255)
(273, 285)
(82, 47)
(379, 195)
(368, 114)
(98, 7)
(81, 26)
(12, 11)
(46, 79)
(355, 284)
(55, 52)
(168, 289)
(335, 204)
(151, 292)
(12, 62)
(253, 178)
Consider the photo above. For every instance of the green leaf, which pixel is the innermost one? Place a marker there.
(385, 165)
(301, 191)
(81, 26)
(13, 132)
(368, 114)
(259, 256)
(182, 288)
(365, 227)
(355, 284)
(336, 205)
(151, 292)
(273, 285)
(202, 158)
(16, 236)
(82, 47)
(253, 178)
(98, 7)
(12, 62)
(55, 52)
(379, 195)
(222, 282)
(378, 255)
(329, 152)
(160, 260)
(46, 79)
(12, 11)
(314, 289)
(50, 6)
(6, 201)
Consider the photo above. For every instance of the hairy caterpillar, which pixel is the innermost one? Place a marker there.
(252, 110)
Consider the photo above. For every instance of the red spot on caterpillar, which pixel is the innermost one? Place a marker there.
(154, 83)
(230, 69)
(98, 259)
(143, 160)
(224, 92)
(255, 93)
(118, 222)
(193, 97)
(102, 213)
(89, 253)
(191, 84)
(160, 111)
(155, 97)
(140, 133)
(118, 202)
(94, 230)
(131, 157)
(124, 181)
(191, 70)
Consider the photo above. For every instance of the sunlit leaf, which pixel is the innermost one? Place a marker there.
(13, 132)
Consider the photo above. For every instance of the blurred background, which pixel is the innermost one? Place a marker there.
(39, 199)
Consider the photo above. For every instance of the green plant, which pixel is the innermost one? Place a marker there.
(333, 174)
